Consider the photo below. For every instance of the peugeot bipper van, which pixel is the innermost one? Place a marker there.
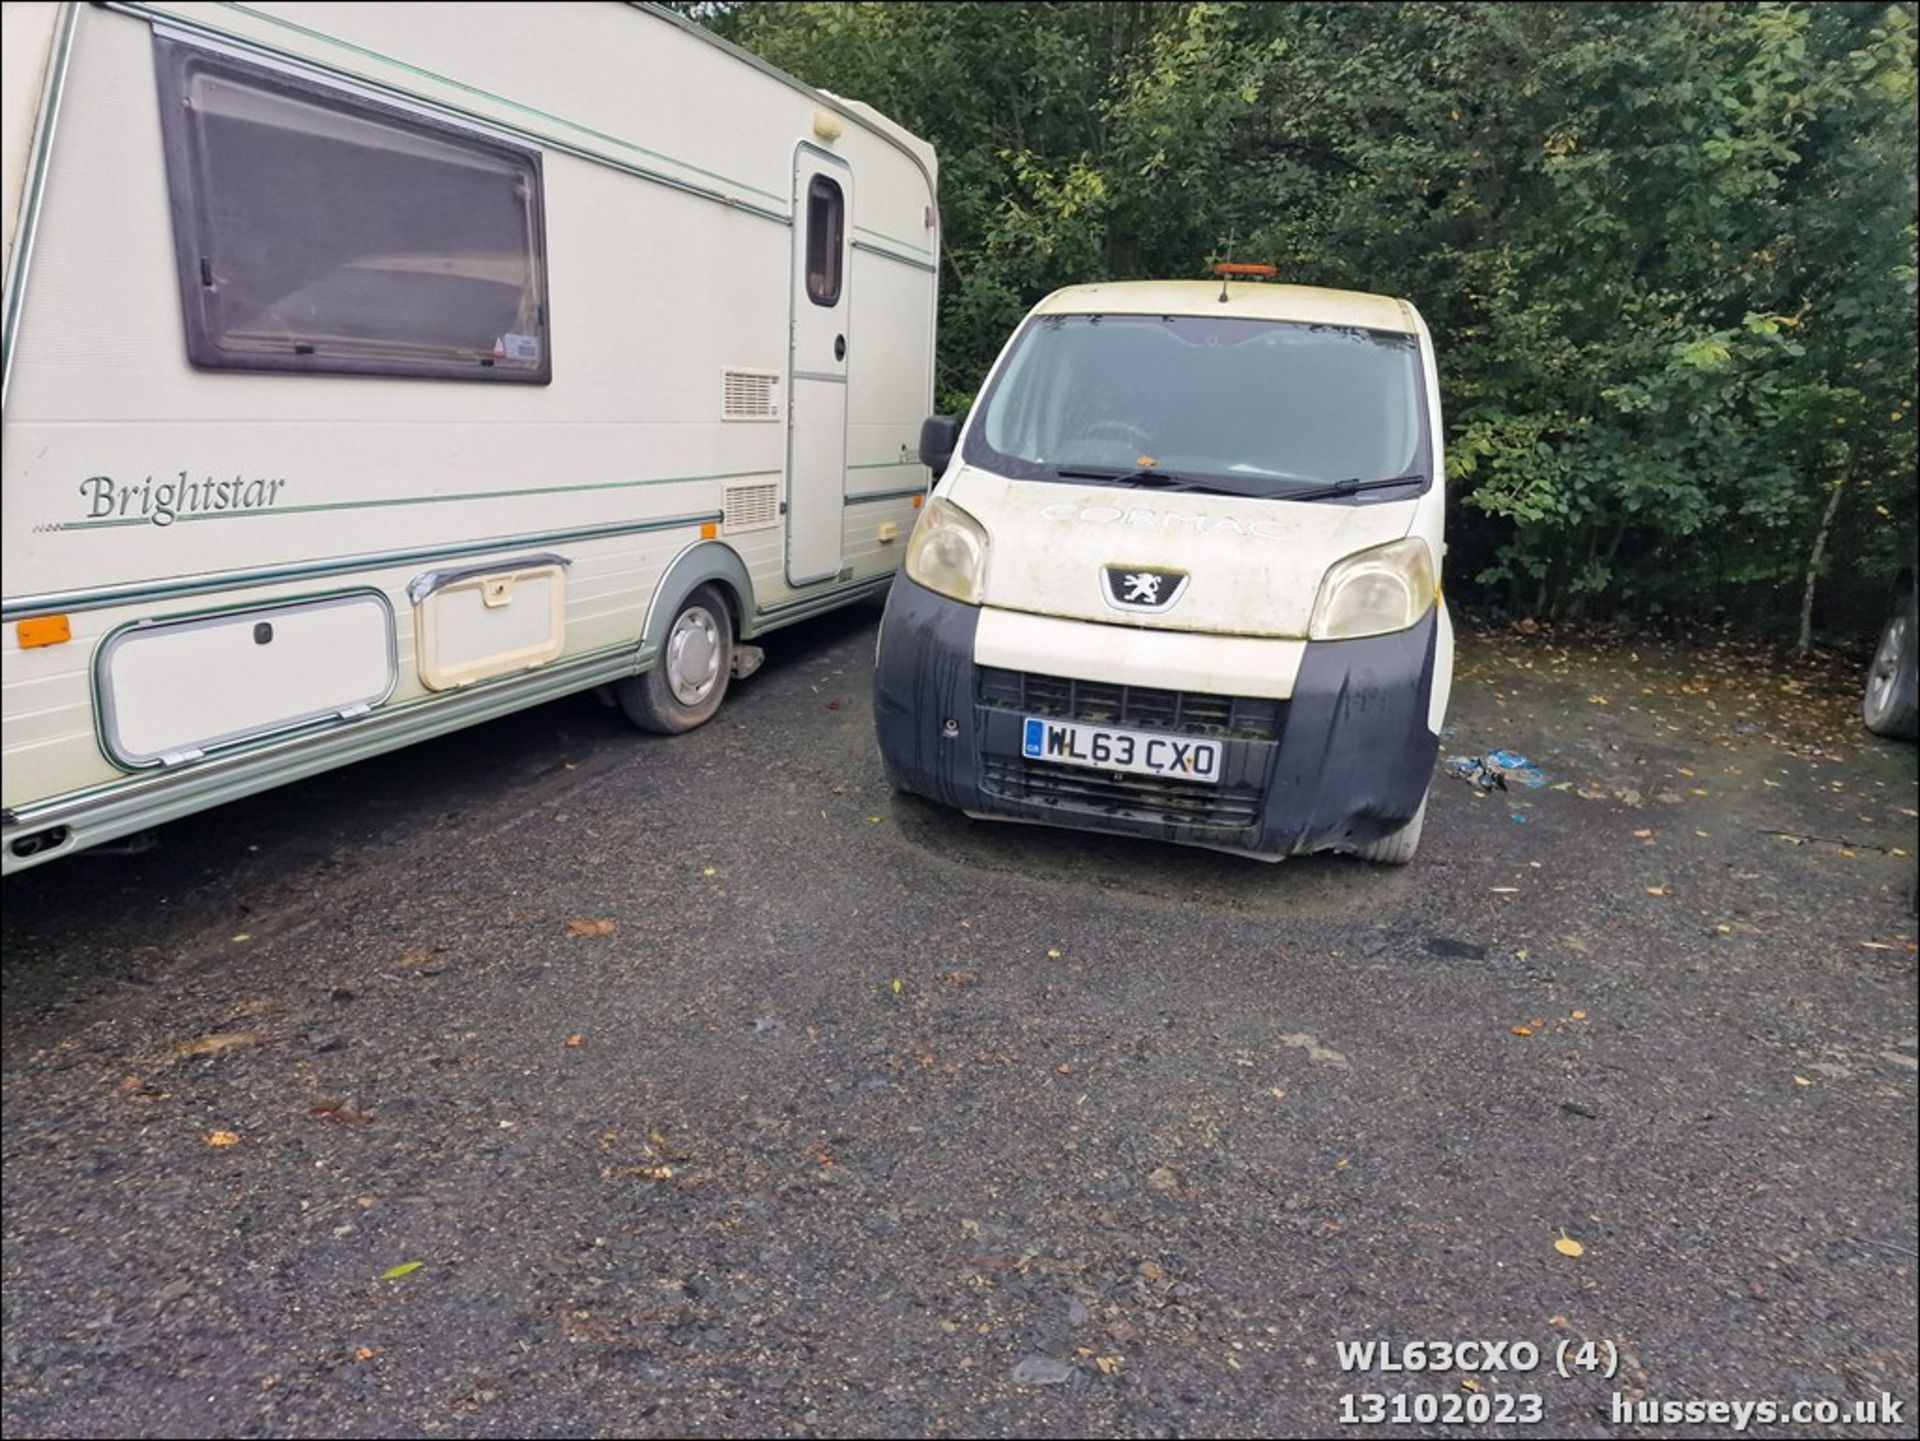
(1180, 575)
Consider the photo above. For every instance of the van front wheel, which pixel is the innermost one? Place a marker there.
(1398, 848)
(688, 682)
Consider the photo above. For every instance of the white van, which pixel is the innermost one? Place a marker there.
(1181, 576)
(376, 369)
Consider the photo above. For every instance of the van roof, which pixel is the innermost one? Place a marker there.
(1260, 301)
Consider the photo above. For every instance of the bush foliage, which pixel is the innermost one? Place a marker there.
(1667, 251)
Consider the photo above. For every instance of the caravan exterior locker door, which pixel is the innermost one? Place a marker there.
(817, 365)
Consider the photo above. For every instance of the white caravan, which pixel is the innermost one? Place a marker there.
(1181, 576)
(376, 369)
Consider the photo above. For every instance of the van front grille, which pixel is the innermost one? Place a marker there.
(1254, 718)
(1110, 793)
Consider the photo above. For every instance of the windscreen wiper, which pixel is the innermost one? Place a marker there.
(1144, 475)
(1352, 486)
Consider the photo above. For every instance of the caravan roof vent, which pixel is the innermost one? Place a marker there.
(750, 395)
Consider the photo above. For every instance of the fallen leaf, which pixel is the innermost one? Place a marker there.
(873, 820)
(1659, 890)
(1641, 835)
(576, 1040)
(363, 1353)
(1801, 1081)
(1065, 1068)
(1567, 1246)
(339, 1114)
(243, 936)
(1521, 1030)
(222, 1041)
(1579, 1015)
(405, 1268)
(222, 1139)
(898, 985)
(710, 871)
(594, 928)
(1053, 953)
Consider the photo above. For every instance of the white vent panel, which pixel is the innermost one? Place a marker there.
(750, 507)
(750, 395)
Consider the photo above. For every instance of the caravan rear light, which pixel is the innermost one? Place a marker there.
(44, 630)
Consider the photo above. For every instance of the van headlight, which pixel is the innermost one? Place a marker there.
(1384, 589)
(947, 552)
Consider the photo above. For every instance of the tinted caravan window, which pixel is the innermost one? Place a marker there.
(826, 214)
(321, 231)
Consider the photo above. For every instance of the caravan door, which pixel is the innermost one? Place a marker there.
(817, 365)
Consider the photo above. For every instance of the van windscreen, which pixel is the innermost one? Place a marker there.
(1259, 407)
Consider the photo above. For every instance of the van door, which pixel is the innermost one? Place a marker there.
(817, 365)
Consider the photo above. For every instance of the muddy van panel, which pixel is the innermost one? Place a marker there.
(1181, 578)
(1342, 762)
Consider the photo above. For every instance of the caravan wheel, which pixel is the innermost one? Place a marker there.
(687, 684)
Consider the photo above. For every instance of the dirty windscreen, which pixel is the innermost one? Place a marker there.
(1260, 406)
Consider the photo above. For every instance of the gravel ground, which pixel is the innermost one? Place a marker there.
(849, 1116)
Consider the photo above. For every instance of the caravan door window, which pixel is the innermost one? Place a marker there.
(319, 230)
(826, 217)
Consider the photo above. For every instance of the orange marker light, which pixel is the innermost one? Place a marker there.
(1238, 267)
(918, 501)
(44, 630)
(709, 531)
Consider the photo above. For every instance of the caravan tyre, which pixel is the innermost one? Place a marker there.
(688, 682)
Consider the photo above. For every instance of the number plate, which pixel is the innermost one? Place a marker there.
(1140, 753)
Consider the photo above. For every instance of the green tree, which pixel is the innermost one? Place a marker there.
(1667, 251)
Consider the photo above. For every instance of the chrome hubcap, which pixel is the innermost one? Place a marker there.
(1886, 665)
(693, 656)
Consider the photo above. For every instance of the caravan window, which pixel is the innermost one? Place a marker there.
(321, 231)
(826, 217)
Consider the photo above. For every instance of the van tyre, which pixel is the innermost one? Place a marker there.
(688, 682)
(1398, 848)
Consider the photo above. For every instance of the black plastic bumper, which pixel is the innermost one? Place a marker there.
(1344, 761)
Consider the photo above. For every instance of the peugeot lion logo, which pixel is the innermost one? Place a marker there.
(1132, 587)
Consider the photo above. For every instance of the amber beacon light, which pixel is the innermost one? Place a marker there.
(1244, 270)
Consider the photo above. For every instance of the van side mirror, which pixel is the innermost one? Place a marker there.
(939, 434)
